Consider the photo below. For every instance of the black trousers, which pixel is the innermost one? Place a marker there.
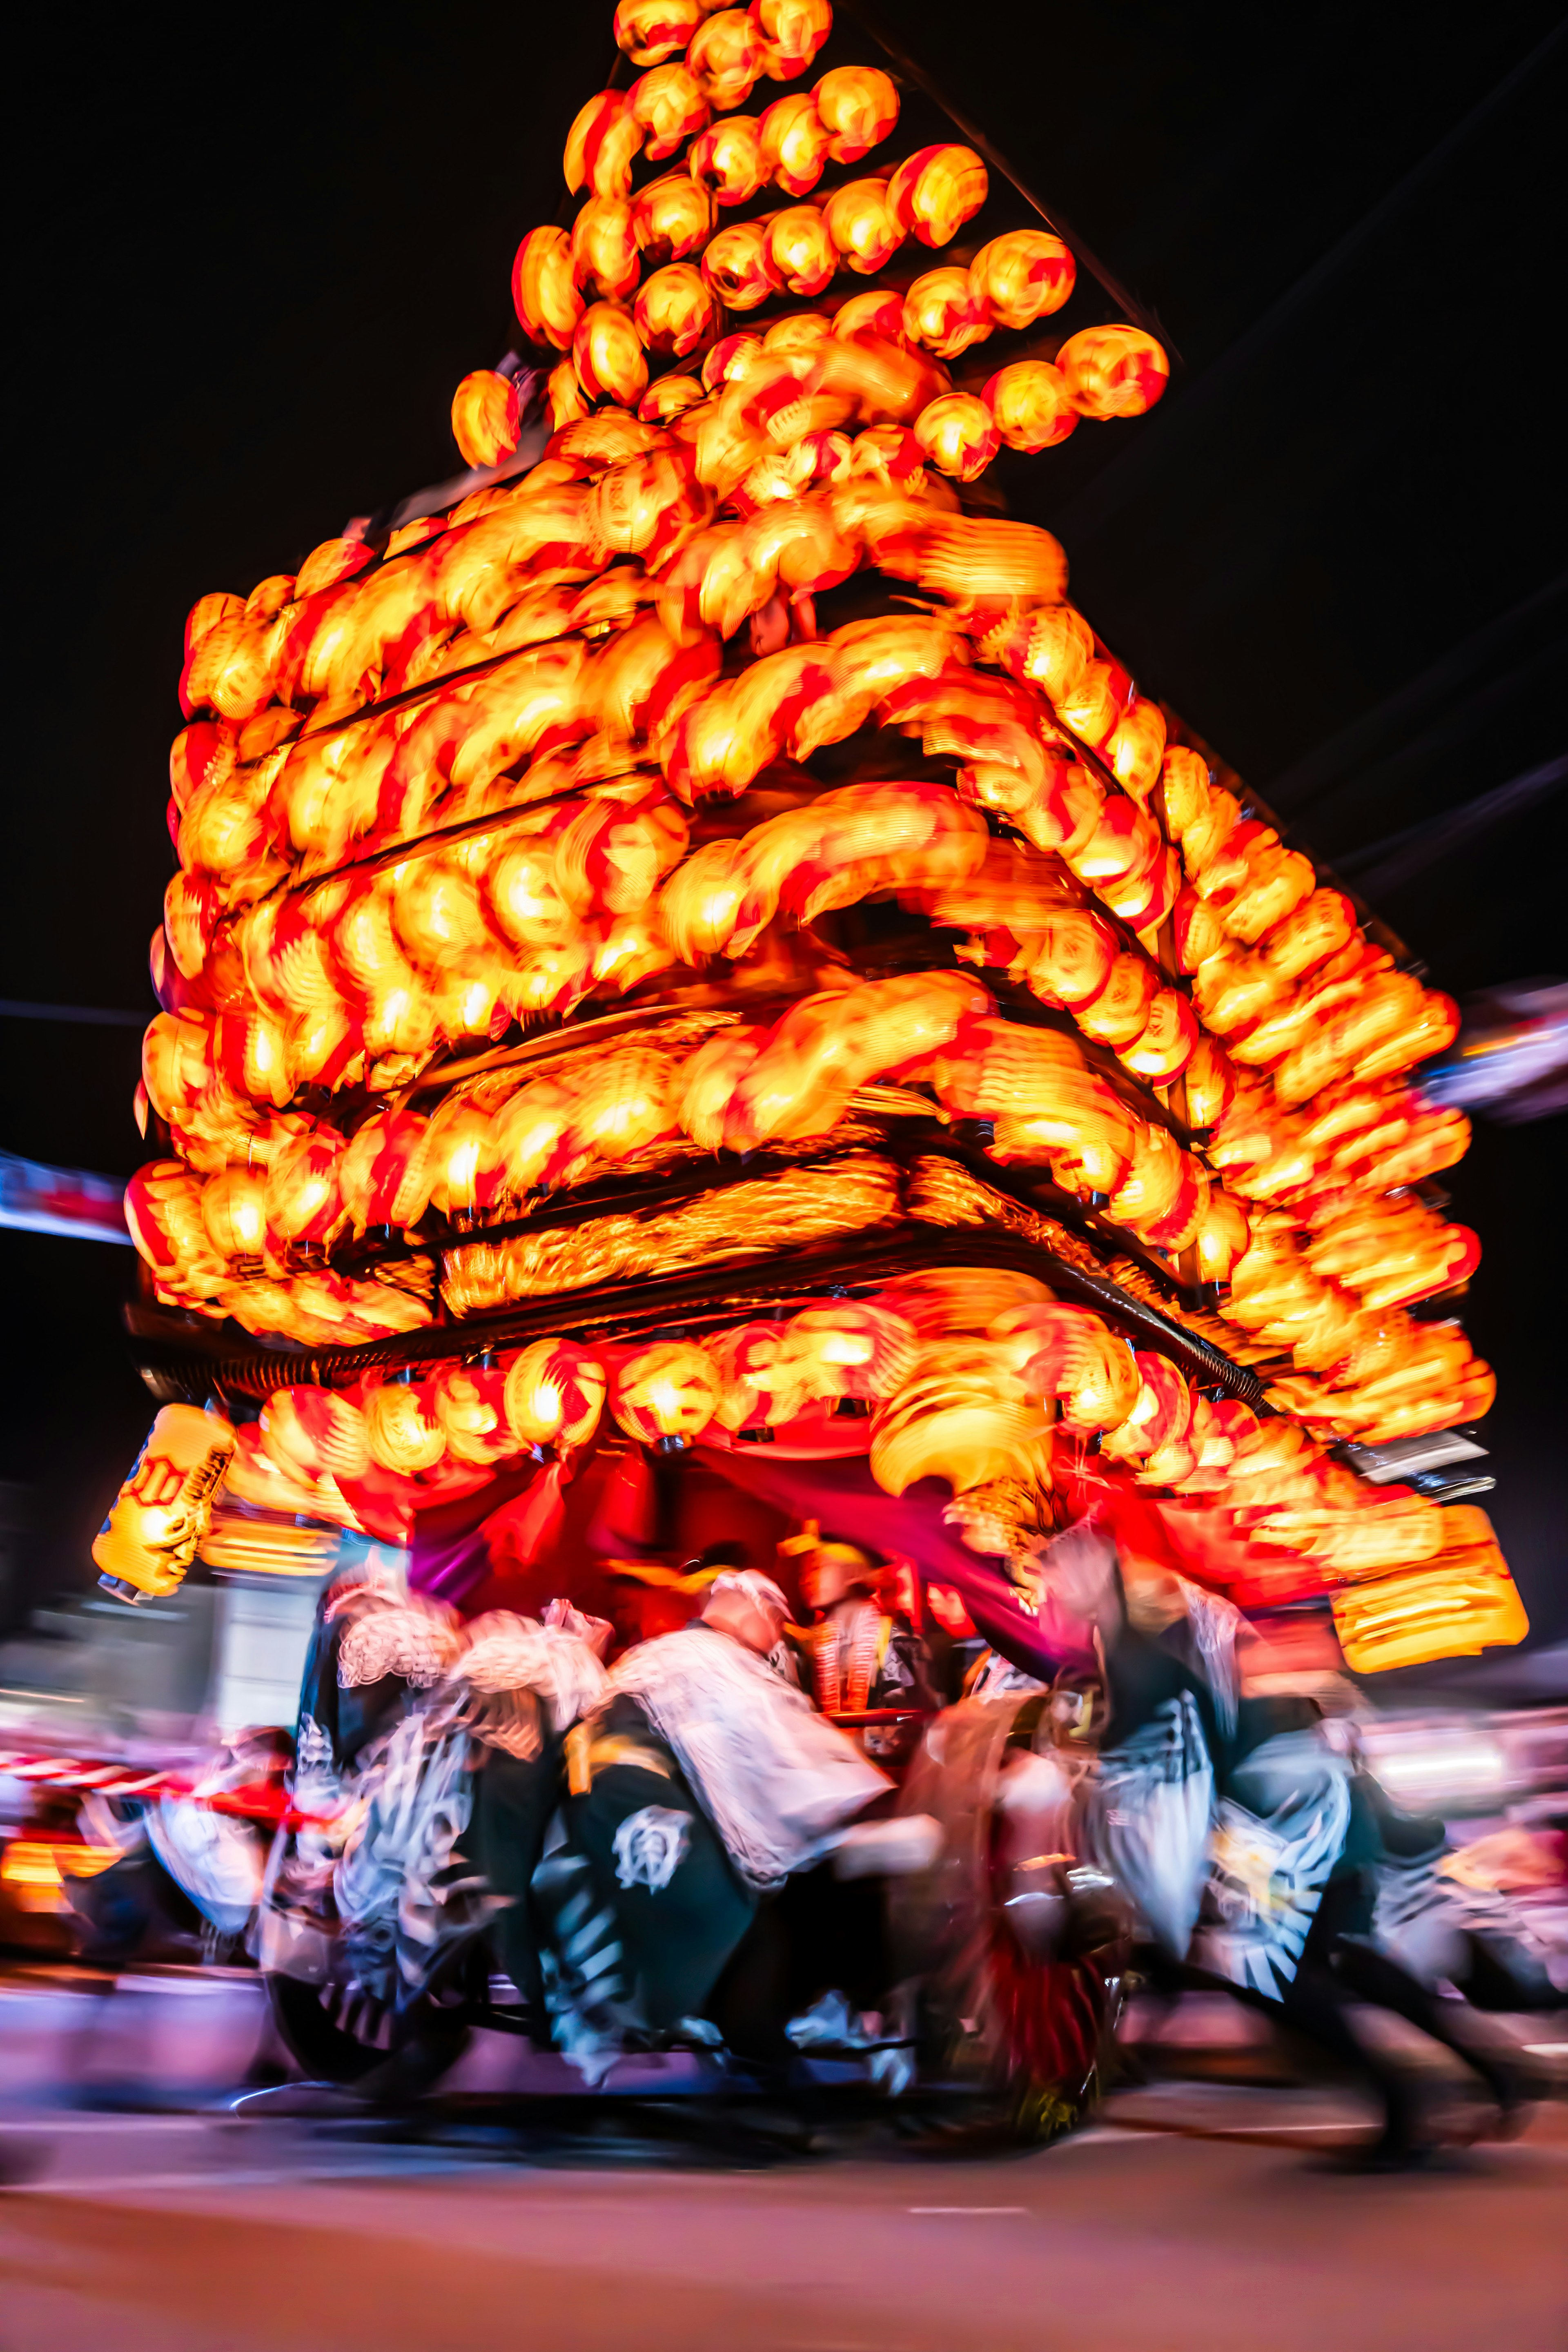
(659, 1864)
(513, 1799)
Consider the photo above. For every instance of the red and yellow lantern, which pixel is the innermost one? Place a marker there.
(672, 219)
(402, 1431)
(942, 315)
(737, 268)
(675, 312)
(794, 142)
(1113, 371)
(665, 1395)
(727, 56)
(543, 291)
(667, 107)
(936, 190)
(651, 30)
(729, 158)
(1022, 276)
(602, 145)
(863, 226)
(958, 436)
(800, 253)
(857, 106)
(554, 1394)
(792, 32)
(485, 423)
(607, 356)
(1030, 402)
(604, 252)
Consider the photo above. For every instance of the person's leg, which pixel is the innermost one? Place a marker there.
(513, 1799)
(1371, 1976)
(659, 1863)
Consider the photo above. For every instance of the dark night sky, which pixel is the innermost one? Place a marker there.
(253, 252)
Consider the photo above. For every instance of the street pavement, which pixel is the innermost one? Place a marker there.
(151, 2212)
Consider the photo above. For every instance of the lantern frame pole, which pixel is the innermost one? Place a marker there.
(909, 65)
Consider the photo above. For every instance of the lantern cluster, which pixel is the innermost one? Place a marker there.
(653, 267)
(597, 745)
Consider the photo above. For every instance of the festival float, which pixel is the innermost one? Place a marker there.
(696, 980)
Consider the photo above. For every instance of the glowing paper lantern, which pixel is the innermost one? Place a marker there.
(234, 1211)
(543, 291)
(792, 33)
(605, 254)
(800, 253)
(936, 190)
(1222, 1235)
(879, 312)
(1210, 1083)
(651, 30)
(315, 1433)
(959, 1417)
(602, 145)
(729, 158)
(673, 217)
(857, 106)
(727, 56)
(760, 1388)
(1029, 402)
(675, 312)
(942, 315)
(163, 1510)
(1162, 1415)
(853, 1348)
(671, 397)
(1166, 1042)
(484, 418)
(1022, 276)
(1136, 747)
(665, 1395)
(958, 436)
(736, 266)
(554, 1394)
(607, 356)
(1113, 371)
(469, 1404)
(794, 142)
(401, 1430)
(667, 106)
(864, 228)
(1068, 1354)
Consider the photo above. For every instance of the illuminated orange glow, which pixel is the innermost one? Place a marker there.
(651, 30)
(607, 355)
(671, 1390)
(602, 146)
(1113, 371)
(936, 190)
(729, 158)
(865, 230)
(659, 776)
(1022, 276)
(858, 107)
(794, 142)
(668, 106)
(728, 57)
(958, 436)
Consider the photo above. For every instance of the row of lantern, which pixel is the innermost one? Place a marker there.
(488, 1148)
(969, 1409)
(1315, 1002)
(383, 778)
(610, 485)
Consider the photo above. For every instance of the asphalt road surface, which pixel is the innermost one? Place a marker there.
(1212, 2215)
